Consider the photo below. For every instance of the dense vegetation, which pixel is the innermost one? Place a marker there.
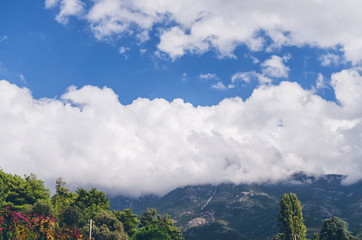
(291, 224)
(28, 212)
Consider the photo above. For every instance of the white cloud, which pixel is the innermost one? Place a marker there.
(152, 146)
(143, 51)
(274, 67)
(247, 77)
(321, 82)
(330, 59)
(219, 86)
(184, 77)
(348, 89)
(254, 59)
(242, 76)
(123, 50)
(208, 76)
(67, 8)
(22, 78)
(224, 25)
(51, 3)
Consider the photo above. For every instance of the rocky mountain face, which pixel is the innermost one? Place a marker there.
(229, 211)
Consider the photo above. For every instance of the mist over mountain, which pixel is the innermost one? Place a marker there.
(249, 211)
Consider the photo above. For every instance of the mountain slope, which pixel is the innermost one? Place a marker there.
(229, 211)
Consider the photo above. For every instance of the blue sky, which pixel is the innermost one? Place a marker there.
(52, 56)
(262, 73)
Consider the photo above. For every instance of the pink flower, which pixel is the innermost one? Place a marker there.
(21, 216)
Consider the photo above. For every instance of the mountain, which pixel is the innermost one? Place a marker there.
(249, 211)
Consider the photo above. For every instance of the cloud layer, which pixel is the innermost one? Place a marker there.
(186, 26)
(152, 146)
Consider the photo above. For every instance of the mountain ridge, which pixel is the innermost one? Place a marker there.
(249, 211)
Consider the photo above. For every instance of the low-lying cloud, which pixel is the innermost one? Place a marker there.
(153, 146)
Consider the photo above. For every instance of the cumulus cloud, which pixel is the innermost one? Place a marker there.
(67, 8)
(224, 25)
(274, 67)
(153, 146)
(348, 89)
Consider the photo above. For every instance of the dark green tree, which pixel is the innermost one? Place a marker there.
(42, 208)
(152, 232)
(129, 220)
(90, 203)
(108, 227)
(150, 218)
(71, 216)
(290, 218)
(167, 223)
(5, 180)
(335, 229)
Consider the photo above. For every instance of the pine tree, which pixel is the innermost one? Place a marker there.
(335, 229)
(290, 219)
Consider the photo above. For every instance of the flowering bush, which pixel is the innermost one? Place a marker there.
(17, 226)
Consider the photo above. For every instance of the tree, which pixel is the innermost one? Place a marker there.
(42, 208)
(18, 192)
(152, 232)
(62, 198)
(335, 229)
(71, 216)
(128, 219)
(90, 203)
(150, 218)
(108, 227)
(290, 219)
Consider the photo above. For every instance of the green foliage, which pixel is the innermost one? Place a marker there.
(72, 211)
(152, 232)
(91, 202)
(316, 236)
(150, 218)
(18, 192)
(42, 208)
(214, 230)
(108, 227)
(71, 216)
(62, 198)
(335, 229)
(290, 219)
(129, 220)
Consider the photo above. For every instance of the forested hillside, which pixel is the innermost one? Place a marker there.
(28, 212)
